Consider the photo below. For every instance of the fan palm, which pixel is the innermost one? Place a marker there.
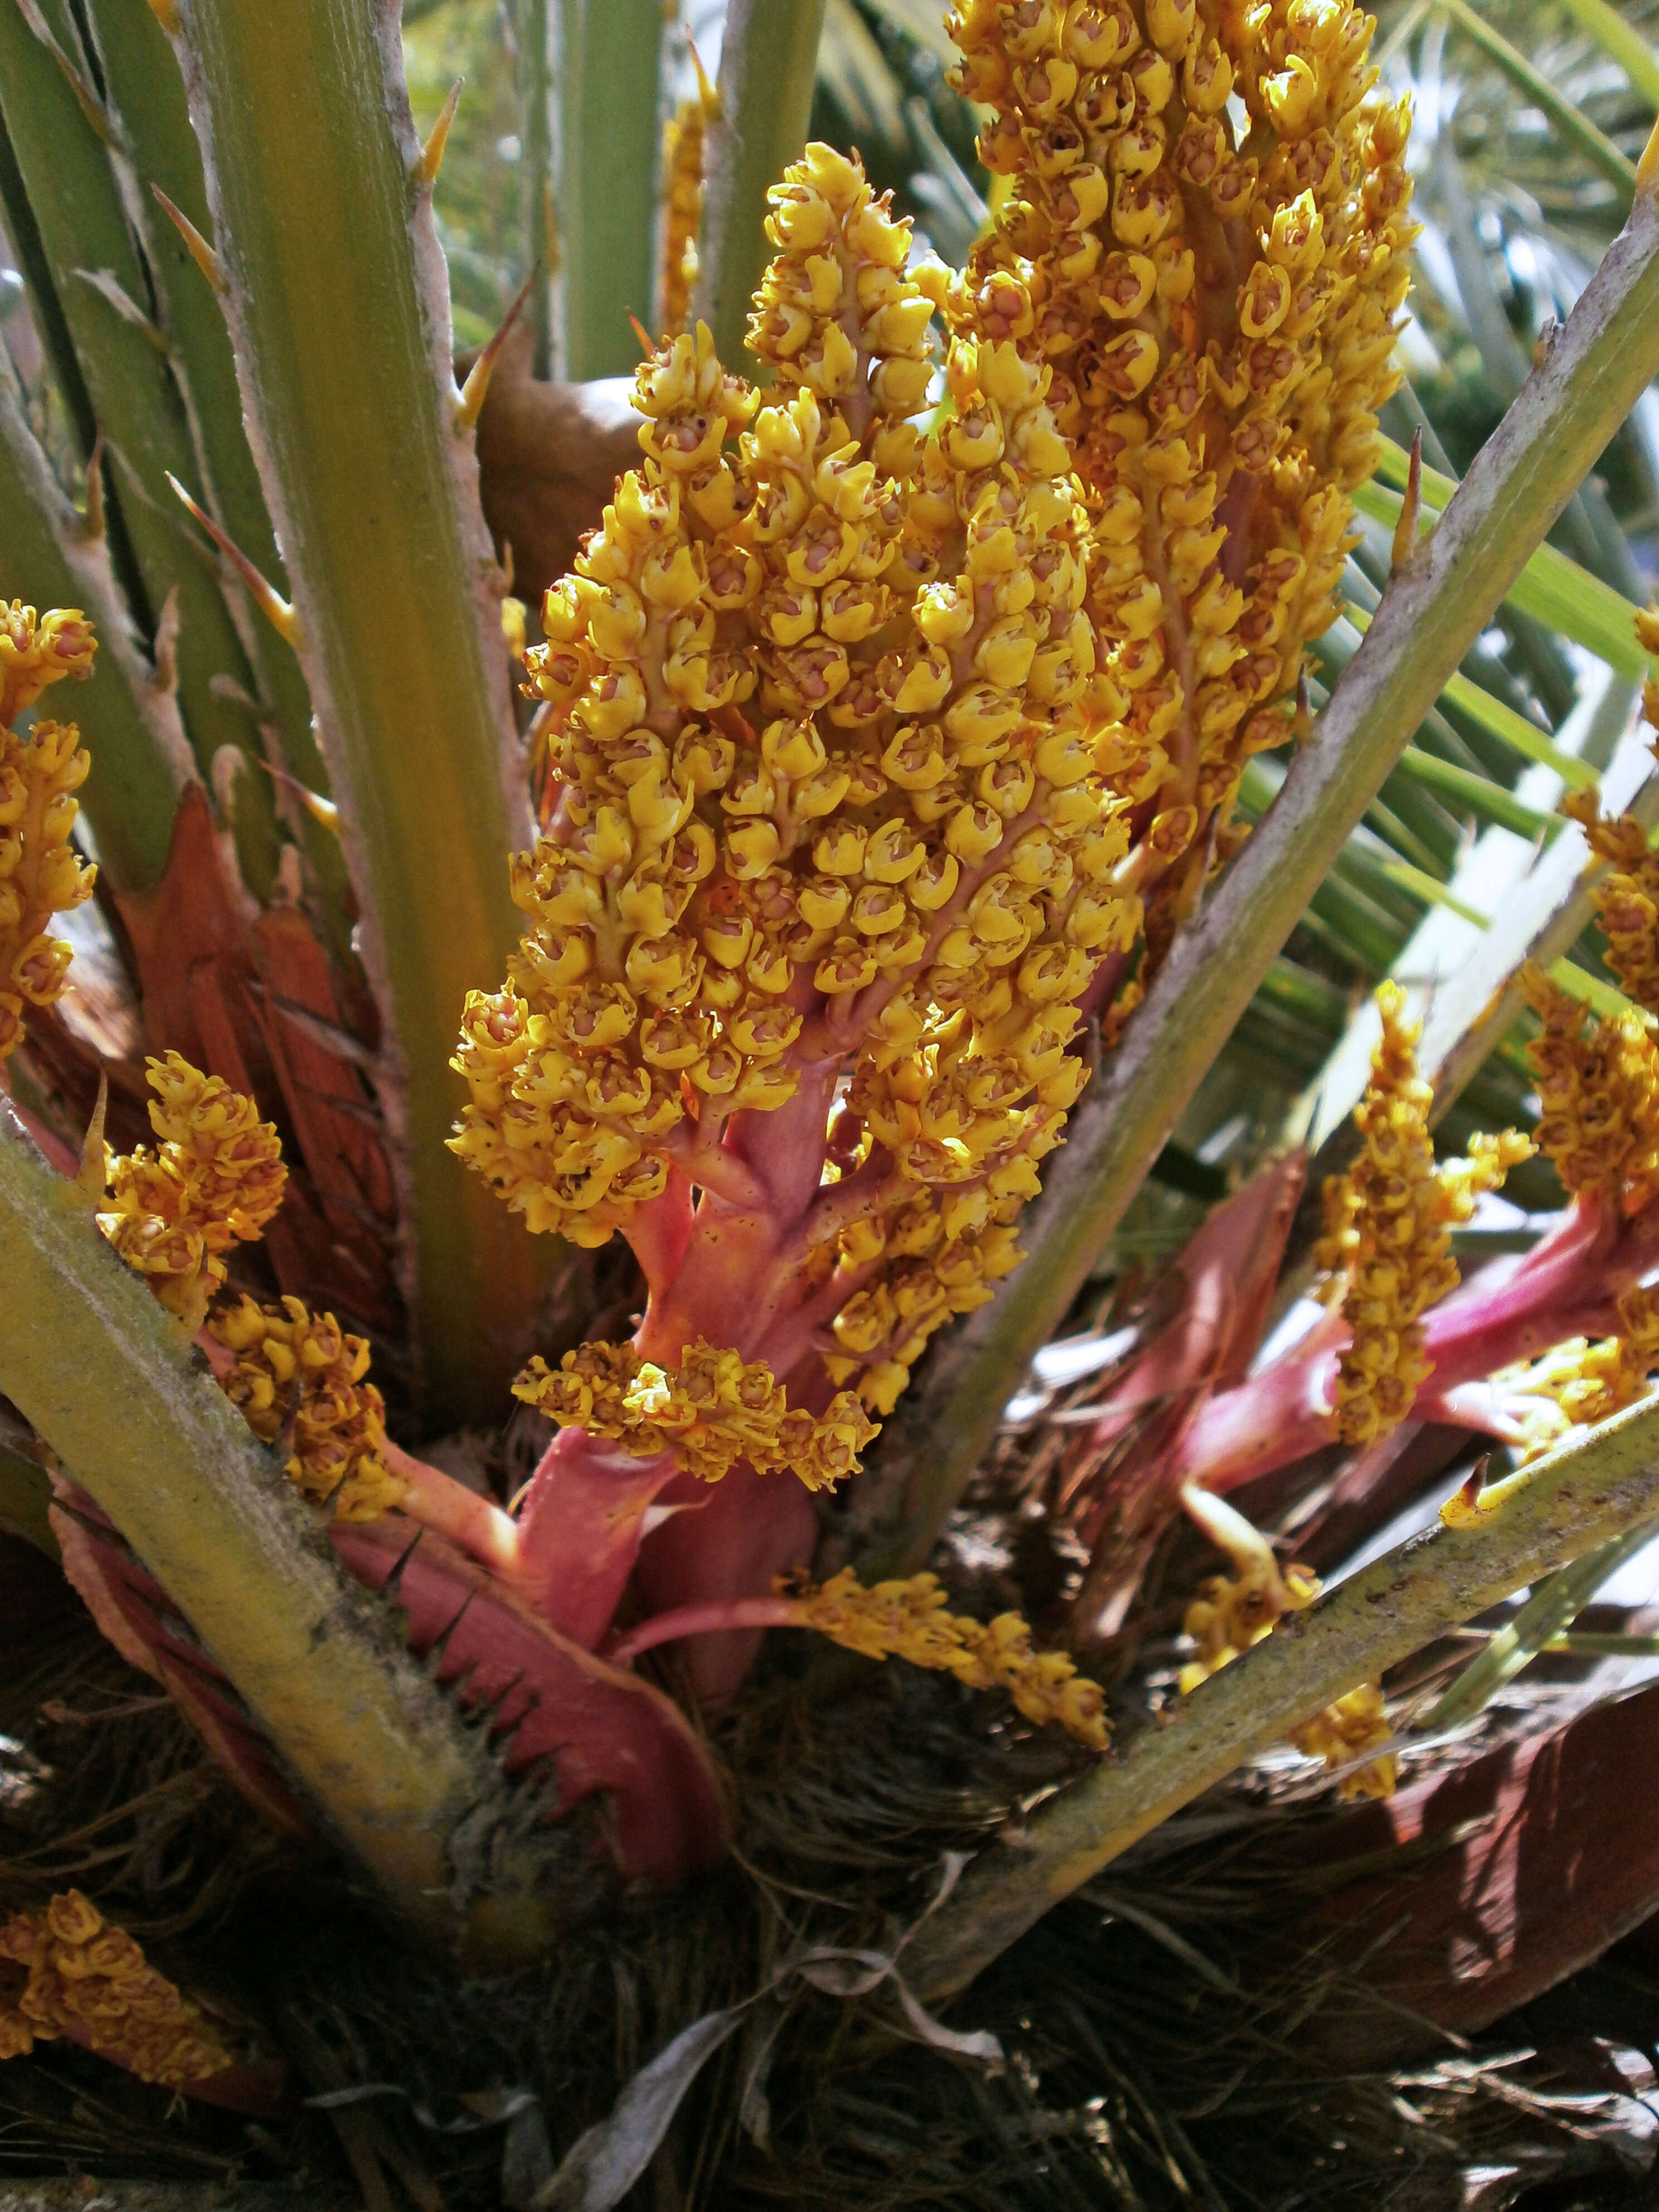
(815, 1111)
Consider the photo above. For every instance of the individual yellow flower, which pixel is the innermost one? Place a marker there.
(40, 872)
(65, 1971)
(1232, 1612)
(1386, 1245)
(1346, 1731)
(215, 1177)
(908, 1619)
(300, 1377)
(36, 651)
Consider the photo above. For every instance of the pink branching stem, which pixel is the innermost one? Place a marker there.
(660, 1229)
(702, 1620)
(1566, 1286)
(742, 1261)
(869, 1190)
(713, 1166)
(582, 1519)
(1102, 987)
(801, 1328)
(475, 1525)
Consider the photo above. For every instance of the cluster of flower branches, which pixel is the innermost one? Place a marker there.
(877, 752)
(880, 750)
(888, 745)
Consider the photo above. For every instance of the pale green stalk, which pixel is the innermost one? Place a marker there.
(535, 61)
(1557, 1601)
(337, 298)
(1572, 403)
(609, 74)
(1591, 1493)
(115, 1386)
(25, 1498)
(769, 57)
(100, 286)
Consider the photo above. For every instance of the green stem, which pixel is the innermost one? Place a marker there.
(112, 1383)
(535, 59)
(1592, 1492)
(1592, 1645)
(610, 67)
(338, 301)
(1435, 605)
(140, 753)
(1550, 1609)
(768, 59)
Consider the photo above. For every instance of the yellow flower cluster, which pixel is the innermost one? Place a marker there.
(1627, 899)
(712, 1410)
(217, 1176)
(965, 1080)
(836, 315)
(1216, 298)
(616, 1018)
(910, 842)
(685, 142)
(300, 1378)
(1600, 1093)
(40, 872)
(1232, 1612)
(39, 651)
(1355, 1724)
(906, 1619)
(1388, 1224)
(65, 1971)
(1580, 1384)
